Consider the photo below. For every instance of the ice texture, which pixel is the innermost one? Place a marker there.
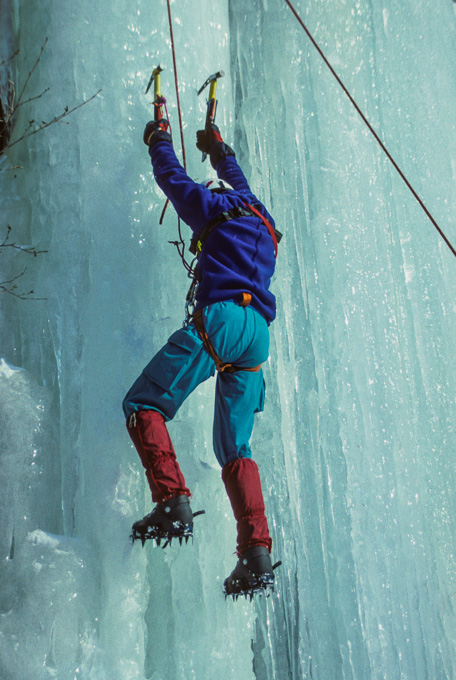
(356, 445)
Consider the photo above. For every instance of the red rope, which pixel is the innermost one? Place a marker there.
(177, 85)
(371, 129)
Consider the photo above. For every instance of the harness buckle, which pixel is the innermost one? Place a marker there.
(245, 300)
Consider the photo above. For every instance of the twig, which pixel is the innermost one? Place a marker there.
(12, 167)
(5, 61)
(22, 296)
(16, 103)
(31, 73)
(9, 286)
(18, 276)
(57, 119)
(32, 99)
(30, 250)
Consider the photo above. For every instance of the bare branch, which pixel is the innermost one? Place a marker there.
(15, 103)
(15, 278)
(57, 119)
(5, 61)
(30, 74)
(12, 167)
(21, 296)
(7, 114)
(30, 250)
(6, 287)
(8, 232)
(32, 99)
(10, 286)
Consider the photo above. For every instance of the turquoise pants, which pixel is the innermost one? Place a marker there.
(239, 335)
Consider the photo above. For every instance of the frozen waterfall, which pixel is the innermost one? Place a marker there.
(357, 444)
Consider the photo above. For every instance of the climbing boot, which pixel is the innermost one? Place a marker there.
(168, 520)
(252, 575)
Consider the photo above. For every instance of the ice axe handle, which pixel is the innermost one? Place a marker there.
(158, 99)
(211, 102)
(210, 117)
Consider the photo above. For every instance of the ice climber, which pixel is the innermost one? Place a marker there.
(228, 333)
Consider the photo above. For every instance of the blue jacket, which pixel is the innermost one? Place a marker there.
(238, 256)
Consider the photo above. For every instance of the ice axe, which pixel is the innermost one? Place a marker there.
(159, 100)
(211, 102)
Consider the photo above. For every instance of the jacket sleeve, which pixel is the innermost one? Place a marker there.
(192, 202)
(229, 171)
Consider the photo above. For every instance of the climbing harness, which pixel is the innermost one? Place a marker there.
(247, 211)
(211, 102)
(222, 367)
(371, 129)
(275, 233)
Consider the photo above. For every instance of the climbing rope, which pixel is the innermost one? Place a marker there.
(177, 85)
(371, 129)
(180, 244)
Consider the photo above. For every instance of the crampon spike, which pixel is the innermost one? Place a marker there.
(261, 587)
(250, 593)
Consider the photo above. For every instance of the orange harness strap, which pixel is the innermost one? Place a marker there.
(220, 365)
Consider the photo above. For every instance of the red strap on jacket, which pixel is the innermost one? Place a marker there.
(268, 225)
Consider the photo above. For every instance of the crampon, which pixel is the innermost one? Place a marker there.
(253, 575)
(172, 520)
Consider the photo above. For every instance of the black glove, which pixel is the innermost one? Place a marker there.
(211, 142)
(156, 131)
(219, 151)
(205, 139)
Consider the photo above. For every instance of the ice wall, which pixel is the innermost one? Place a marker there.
(356, 445)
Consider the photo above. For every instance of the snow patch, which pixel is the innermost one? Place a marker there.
(8, 370)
